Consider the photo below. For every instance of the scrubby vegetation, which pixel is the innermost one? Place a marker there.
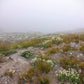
(7, 53)
(27, 54)
(61, 55)
(38, 73)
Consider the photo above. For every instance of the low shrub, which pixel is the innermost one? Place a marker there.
(9, 73)
(67, 38)
(53, 50)
(82, 78)
(43, 59)
(43, 67)
(43, 80)
(66, 48)
(47, 43)
(27, 54)
(57, 40)
(27, 76)
(7, 53)
(34, 76)
(69, 63)
(82, 47)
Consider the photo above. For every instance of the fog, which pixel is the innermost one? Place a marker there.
(41, 15)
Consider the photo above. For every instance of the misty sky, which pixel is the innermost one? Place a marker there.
(41, 15)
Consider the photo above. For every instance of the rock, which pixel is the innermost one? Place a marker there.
(56, 67)
(1, 75)
(80, 55)
(73, 44)
(11, 70)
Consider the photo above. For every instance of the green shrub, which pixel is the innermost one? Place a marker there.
(27, 54)
(7, 53)
(82, 78)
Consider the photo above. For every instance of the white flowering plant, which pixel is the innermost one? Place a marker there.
(36, 60)
(57, 40)
(70, 75)
(47, 43)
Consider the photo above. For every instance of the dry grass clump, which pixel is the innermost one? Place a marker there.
(69, 62)
(70, 38)
(66, 47)
(53, 50)
(9, 73)
(1, 59)
(34, 76)
(81, 37)
(5, 45)
(47, 44)
(26, 43)
(82, 46)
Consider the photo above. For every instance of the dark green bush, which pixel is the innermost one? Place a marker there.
(7, 53)
(27, 54)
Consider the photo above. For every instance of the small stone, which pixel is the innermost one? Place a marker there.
(1, 75)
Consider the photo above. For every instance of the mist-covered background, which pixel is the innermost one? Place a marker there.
(41, 15)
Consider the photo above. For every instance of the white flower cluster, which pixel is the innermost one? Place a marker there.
(45, 42)
(57, 39)
(50, 62)
(71, 75)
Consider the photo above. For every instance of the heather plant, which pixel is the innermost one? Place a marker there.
(66, 48)
(43, 66)
(27, 54)
(53, 50)
(69, 63)
(43, 79)
(27, 75)
(34, 75)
